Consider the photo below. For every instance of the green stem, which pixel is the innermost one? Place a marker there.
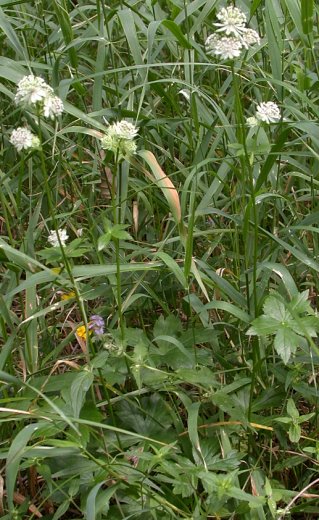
(55, 226)
(247, 171)
(116, 204)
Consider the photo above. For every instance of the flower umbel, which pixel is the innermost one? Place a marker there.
(23, 139)
(250, 37)
(231, 21)
(52, 107)
(226, 48)
(31, 90)
(53, 237)
(268, 112)
(96, 324)
(119, 139)
(232, 35)
(123, 130)
(34, 91)
(252, 121)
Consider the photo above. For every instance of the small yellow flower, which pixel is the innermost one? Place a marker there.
(81, 332)
(68, 296)
(56, 270)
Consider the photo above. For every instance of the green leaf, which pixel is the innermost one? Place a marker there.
(16, 451)
(308, 325)
(79, 388)
(118, 232)
(164, 183)
(291, 409)
(11, 35)
(294, 432)
(239, 494)
(286, 343)
(61, 510)
(307, 14)
(275, 308)
(300, 303)
(263, 326)
(173, 266)
(94, 504)
(104, 240)
(176, 31)
(306, 417)
(283, 420)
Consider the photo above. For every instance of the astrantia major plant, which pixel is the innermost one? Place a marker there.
(232, 35)
(199, 251)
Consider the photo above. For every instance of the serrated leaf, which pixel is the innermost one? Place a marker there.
(300, 303)
(275, 308)
(286, 343)
(263, 326)
(183, 488)
(308, 325)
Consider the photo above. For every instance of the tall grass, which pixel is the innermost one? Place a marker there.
(200, 252)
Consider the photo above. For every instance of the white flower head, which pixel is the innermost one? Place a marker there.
(31, 90)
(53, 237)
(23, 139)
(34, 91)
(252, 121)
(119, 139)
(52, 107)
(268, 112)
(250, 37)
(227, 48)
(123, 130)
(231, 21)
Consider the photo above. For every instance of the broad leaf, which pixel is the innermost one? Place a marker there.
(286, 343)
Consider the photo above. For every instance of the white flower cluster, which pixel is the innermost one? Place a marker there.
(53, 237)
(119, 139)
(24, 139)
(36, 92)
(266, 112)
(232, 34)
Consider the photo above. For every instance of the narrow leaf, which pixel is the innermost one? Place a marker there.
(164, 183)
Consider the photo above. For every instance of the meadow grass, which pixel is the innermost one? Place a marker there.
(158, 321)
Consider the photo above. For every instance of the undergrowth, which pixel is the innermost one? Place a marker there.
(159, 352)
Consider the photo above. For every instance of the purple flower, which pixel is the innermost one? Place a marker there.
(97, 324)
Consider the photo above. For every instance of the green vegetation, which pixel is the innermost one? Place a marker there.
(159, 260)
